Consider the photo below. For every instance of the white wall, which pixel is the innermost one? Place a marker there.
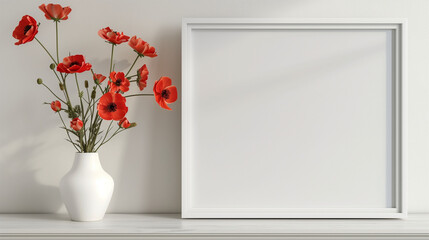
(145, 162)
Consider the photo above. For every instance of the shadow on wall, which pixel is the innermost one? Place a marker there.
(21, 191)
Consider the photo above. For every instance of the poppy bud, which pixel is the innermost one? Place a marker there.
(61, 87)
(124, 123)
(52, 66)
(133, 124)
(76, 124)
(56, 106)
(93, 93)
(98, 78)
(86, 84)
(39, 81)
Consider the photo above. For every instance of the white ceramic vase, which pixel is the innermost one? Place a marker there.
(86, 189)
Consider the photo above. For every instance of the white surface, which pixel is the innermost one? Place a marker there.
(145, 163)
(86, 189)
(297, 119)
(170, 226)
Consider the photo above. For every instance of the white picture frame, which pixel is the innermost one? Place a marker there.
(294, 118)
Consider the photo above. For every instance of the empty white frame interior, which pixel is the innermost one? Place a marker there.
(293, 118)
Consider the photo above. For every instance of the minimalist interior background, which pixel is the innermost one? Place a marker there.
(145, 162)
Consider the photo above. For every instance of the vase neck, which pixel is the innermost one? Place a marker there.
(87, 161)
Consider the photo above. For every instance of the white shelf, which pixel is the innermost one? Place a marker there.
(171, 226)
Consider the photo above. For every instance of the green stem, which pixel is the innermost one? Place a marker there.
(56, 63)
(89, 106)
(82, 109)
(91, 130)
(78, 90)
(81, 140)
(97, 125)
(94, 123)
(67, 93)
(105, 135)
(87, 94)
(56, 40)
(141, 94)
(111, 59)
(54, 93)
(59, 81)
(132, 65)
(102, 92)
(68, 134)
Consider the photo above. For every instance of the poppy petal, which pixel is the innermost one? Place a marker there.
(173, 94)
(119, 114)
(163, 82)
(164, 105)
(105, 115)
(54, 10)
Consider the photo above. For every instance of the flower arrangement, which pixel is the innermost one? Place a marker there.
(105, 98)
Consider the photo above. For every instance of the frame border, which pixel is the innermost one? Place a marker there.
(399, 116)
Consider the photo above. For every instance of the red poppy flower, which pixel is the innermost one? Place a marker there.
(56, 106)
(124, 123)
(141, 47)
(164, 92)
(26, 30)
(76, 124)
(99, 78)
(142, 75)
(74, 64)
(119, 82)
(112, 106)
(112, 36)
(55, 11)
